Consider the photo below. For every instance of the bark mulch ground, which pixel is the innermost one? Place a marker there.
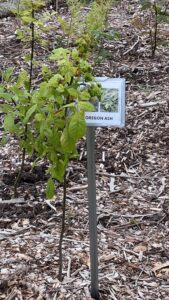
(132, 181)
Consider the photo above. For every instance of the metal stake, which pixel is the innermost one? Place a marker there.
(92, 211)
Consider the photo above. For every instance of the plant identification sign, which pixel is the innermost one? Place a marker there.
(110, 110)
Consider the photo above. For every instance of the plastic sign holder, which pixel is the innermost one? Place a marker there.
(109, 112)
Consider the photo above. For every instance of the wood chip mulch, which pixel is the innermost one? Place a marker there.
(132, 178)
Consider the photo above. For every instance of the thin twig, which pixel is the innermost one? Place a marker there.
(50, 205)
(69, 266)
(77, 188)
(135, 46)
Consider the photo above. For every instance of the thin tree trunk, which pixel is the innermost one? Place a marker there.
(55, 5)
(62, 231)
(154, 45)
(17, 181)
(18, 178)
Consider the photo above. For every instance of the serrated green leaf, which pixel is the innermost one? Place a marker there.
(54, 80)
(67, 141)
(75, 53)
(61, 167)
(6, 108)
(29, 113)
(58, 54)
(39, 117)
(84, 95)
(64, 24)
(27, 19)
(59, 123)
(45, 69)
(58, 170)
(4, 140)
(6, 96)
(86, 106)
(77, 126)
(73, 92)
(60, 88)
(68, 77)
(23, 77)
(9, 123)
(43, 91)
(7, 74)
(50, 189)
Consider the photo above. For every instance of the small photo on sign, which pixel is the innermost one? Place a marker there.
(109, 100)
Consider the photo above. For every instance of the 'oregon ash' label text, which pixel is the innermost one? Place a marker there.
(98, 118)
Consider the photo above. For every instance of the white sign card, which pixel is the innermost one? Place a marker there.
(110, 110)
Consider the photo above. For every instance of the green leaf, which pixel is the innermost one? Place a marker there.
(58, 54)
(1, 88)
(55, 79)
(64, 24)
(84, 95)
(73, 92)
(43, 91)
(145, 4)
(9, 123)
(61, 169)
(86, 106)
(4, 140)
(29, 113)
(50, 189)
(77, 126)
(59, 123)
(72, 104)
(20, 34)
(27, 145)
(7, 74)
(67, 141)
(45, 69)
(6, 96)
(60, 89)
(27, 19)
(57, 171)
(68, 77)
(75, 54)
(39, 117)
(6, 108)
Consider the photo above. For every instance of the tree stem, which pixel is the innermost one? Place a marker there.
(17, 181)
(18, 178)
(62, 231)
(154, 45)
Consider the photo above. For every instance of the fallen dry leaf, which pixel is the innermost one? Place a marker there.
(140, 248)
(161, 269)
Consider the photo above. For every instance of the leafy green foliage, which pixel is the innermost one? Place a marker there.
(53, 113)
(26, 13)
(62, 111)
(87, 30)
(48, 119)
(154, 14)
(6, 74)
(145, 4)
